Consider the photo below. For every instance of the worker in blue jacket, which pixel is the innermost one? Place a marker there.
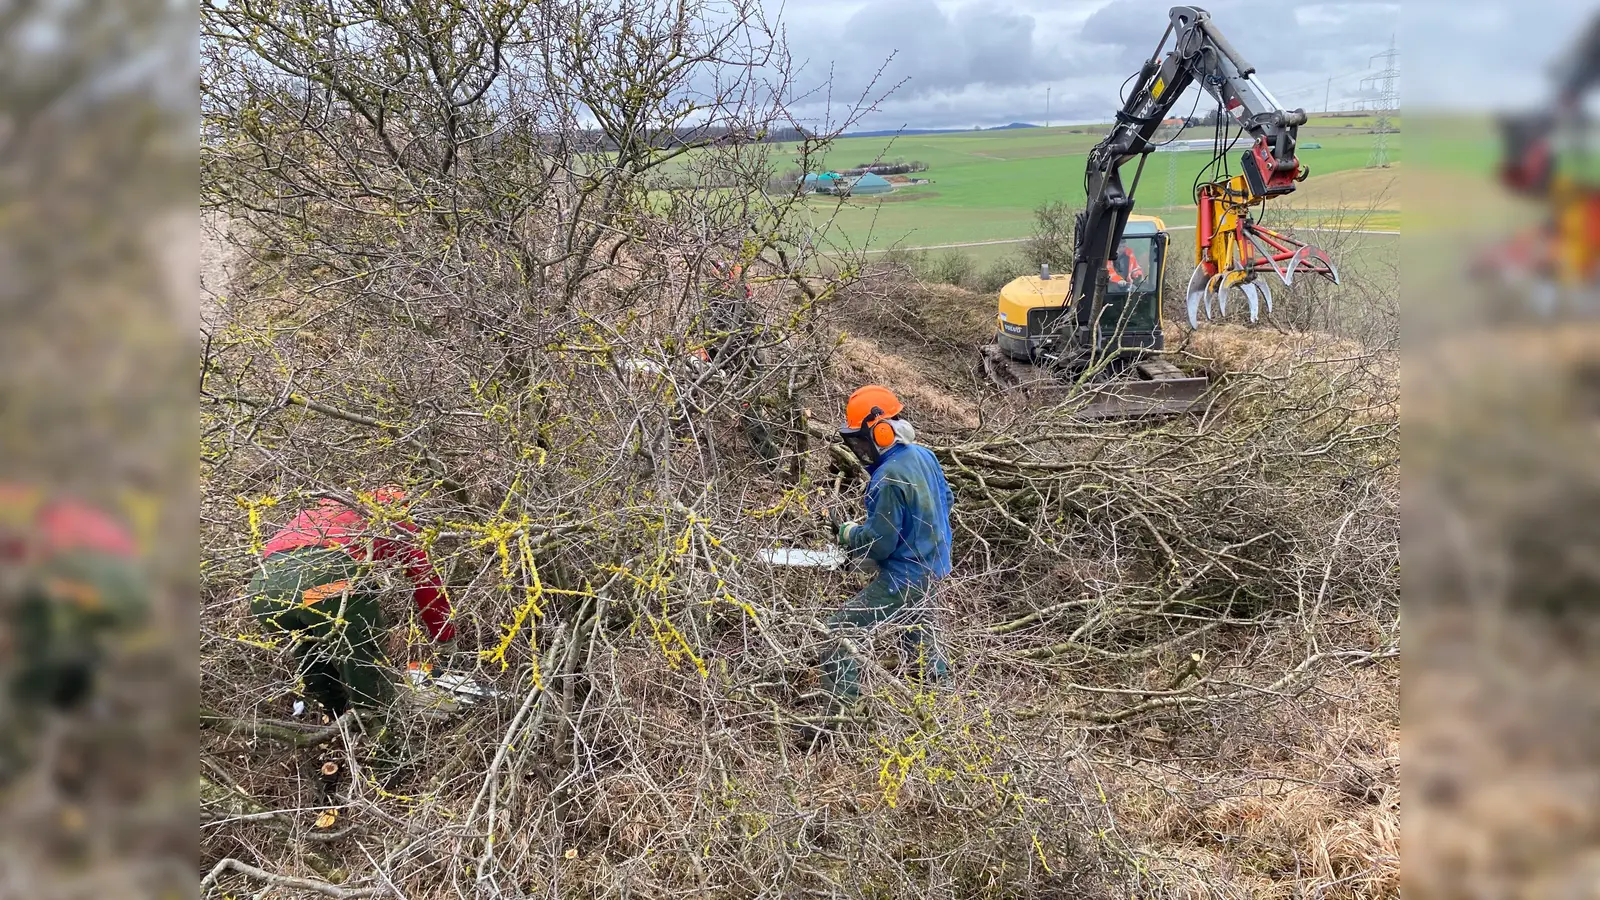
(906, 532)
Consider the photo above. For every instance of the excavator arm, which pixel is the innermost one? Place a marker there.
(1529, 160)
(1198, 53)
(1548, 155)
(1577, 71)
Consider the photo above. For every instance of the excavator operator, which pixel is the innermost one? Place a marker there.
(1125, 268)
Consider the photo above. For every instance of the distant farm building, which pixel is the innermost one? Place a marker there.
(869, 184)
(846, 185)
(826, 183)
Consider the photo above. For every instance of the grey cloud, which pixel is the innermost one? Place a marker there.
(932, 50)
(1275, 35)
(989, 62)
(1486, 55)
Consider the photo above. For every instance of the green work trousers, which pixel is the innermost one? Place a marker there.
(67, 608)
(324, 601)
(910, 606)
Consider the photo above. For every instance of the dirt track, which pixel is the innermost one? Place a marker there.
(1169, 228)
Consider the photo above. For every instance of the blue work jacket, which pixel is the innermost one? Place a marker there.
(907, 529)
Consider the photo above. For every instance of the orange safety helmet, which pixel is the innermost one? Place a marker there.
(867, 431)
(390, 495)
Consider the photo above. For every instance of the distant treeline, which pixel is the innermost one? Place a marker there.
(666, 139)
(894, 168)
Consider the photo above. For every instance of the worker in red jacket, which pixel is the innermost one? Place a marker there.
(68, 575)
(315, 584)
(70, 583)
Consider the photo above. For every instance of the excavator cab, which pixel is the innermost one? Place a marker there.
(1126, 331)
(1130, 315)
(1031, 307)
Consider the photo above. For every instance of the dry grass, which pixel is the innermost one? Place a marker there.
(921, 338)
(1299, 364)
(893, 306)
(1501, 715)
(1305, 802)
(1227, 348)
(863, 361)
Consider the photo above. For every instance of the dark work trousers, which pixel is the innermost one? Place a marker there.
(910, 606)
(322, 599)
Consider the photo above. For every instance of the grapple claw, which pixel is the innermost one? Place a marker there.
(1240, 250)
(1214, 295)
(1275, 254)
(1327, 269)
(1251, 298)
(1287, 274)
(1197, 295)
(1314, 260)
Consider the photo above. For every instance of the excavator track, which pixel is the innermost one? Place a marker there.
(1150, 388)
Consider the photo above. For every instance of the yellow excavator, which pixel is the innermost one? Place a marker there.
(1099, 330)
(1549, 155)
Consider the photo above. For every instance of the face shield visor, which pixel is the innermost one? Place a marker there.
(859, 441)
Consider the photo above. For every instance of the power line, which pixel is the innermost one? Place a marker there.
(1312, 85)
(1388, 101)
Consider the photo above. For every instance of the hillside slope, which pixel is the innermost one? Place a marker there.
(1296, 798)
(1173, 642)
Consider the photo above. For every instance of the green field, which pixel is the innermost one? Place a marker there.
(985, 185)
(1372, 258)
(1459, 143)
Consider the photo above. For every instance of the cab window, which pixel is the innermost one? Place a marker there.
(1133, 284)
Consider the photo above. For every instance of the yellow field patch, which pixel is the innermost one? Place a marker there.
(1357, 190)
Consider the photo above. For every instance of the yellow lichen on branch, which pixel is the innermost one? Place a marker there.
(253, 509)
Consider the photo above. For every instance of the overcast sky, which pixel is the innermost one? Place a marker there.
(990, 62)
